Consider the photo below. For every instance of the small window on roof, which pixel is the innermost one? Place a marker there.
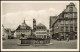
(71, 9)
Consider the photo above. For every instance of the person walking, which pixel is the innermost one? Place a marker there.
(67, 38)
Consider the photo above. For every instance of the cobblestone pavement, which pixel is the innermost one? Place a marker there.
(12, 44)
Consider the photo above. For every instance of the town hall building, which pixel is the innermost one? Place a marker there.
(23, 29)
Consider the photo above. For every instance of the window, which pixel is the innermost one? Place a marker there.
(66, 28)
(71, 28)
(39, 27)
(75, 28)
(70, 15)
(62, 28)
(71, 9)
(71, 22)
(66, 22)
(66, 15)
(75, 15)
(75, 22)
(44, 36)
(62, 22)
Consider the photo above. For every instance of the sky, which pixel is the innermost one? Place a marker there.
(13, 14)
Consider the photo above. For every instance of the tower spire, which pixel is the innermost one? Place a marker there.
(24, 21)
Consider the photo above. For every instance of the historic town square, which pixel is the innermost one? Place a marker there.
(39, 26)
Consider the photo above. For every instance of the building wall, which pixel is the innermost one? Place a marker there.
(6, 33)
(26, 32)
(66, 23)
(41, 33)
(52, 20)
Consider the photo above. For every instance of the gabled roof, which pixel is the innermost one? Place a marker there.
(61, 15)
(26, 27)
(40, 24)
(52, 20)
(68, 7)
(71, 3)
(23, 26)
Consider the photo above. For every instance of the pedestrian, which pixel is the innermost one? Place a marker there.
(67, 38)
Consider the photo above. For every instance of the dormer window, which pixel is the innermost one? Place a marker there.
(71, 9)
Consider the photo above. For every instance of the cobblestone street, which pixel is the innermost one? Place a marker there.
(12, 44)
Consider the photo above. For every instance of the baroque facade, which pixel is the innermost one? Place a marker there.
(66, 23)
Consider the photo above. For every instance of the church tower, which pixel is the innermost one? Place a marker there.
(34, 24)
(24, 21)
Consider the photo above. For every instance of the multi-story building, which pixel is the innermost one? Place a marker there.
(12, 34)
(66, 23)
(41, 31)
(52, 20)
(23, 29)
(6, 33)
(39, 35)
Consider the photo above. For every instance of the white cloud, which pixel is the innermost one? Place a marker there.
(12, 20)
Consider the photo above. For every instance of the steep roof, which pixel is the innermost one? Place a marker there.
(40, 24)
(52, 20)
(71, 3)
(23, 26)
